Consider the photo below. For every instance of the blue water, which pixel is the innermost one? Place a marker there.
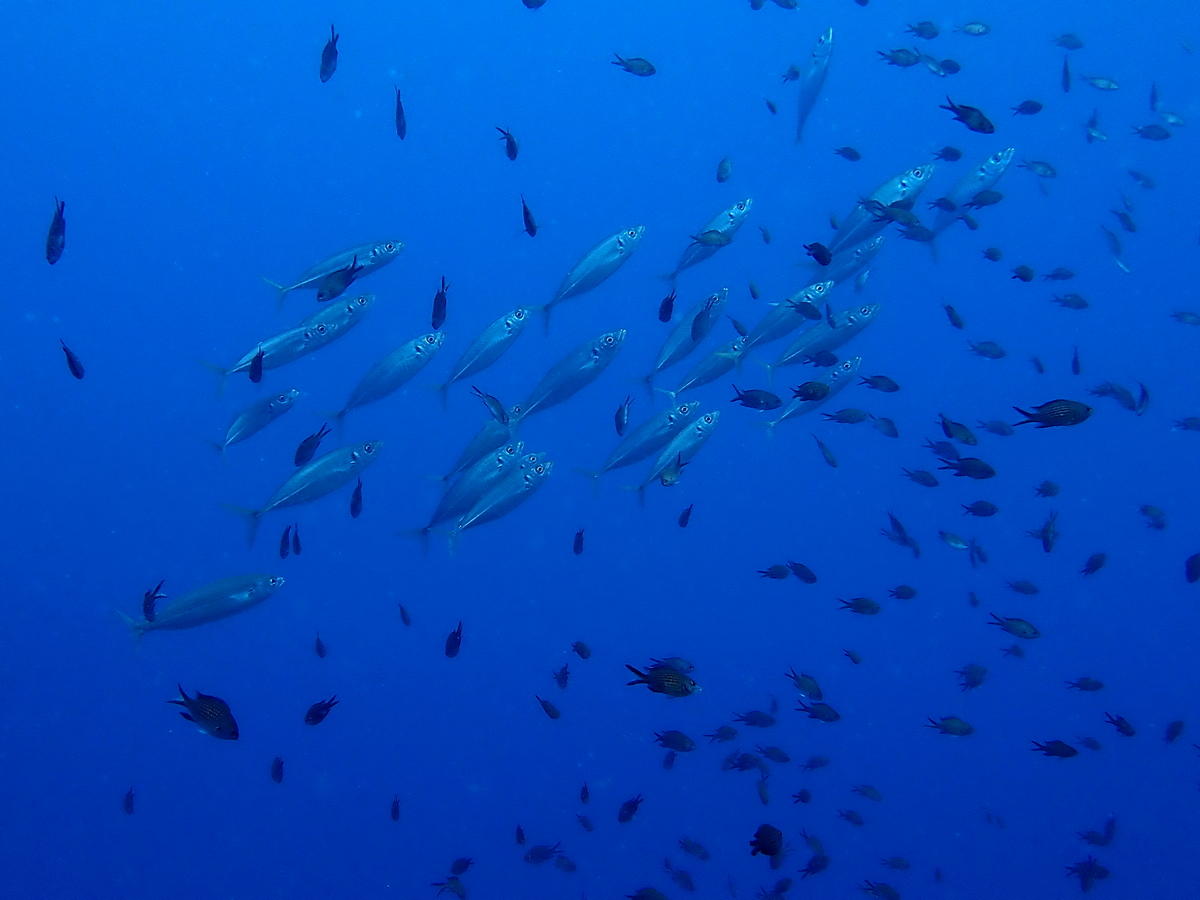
(198, 152)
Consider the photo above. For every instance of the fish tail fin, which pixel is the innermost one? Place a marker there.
(671, 394)
(444, 392)
(1028, 417)
(594, 476)
(136, 627)
(770, 426)
(545, 311)
(418, 534)
(218, 447)
(253, 518)
(281, 292)
(221, 372)
(640, 676)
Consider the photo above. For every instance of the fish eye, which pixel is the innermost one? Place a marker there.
(540, 469)
(741, 206)
(519, 314)
(430, 339)
(608, 340)
(282, 398)
(865, 310)
(708, 419)
(919, 173)
(510, 449)
(631, 233)
(321, 329)
(369, 447)
(389, 246)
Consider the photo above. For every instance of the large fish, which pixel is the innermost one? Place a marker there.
(814, 80)
(493, 434)
(597, 264)
(825, 336)
(649, 437)
(849, 263)
(836, 379)
(314, 480)
(513, 490)
(689, 332)
(862, 224)
(218, 600)
(713, 366)
(489, 346)
(717, 233)
(257, 416)
(365, 259)
(479, 478)
(983, 177)
(784, 317)
(574, 372)
(393, 371)
(679, 452)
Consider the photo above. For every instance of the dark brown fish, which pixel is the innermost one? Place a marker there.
(211, 715)
(1055, 413)
(819, 252)
(319, 647)
(394, 812)
(296, 548)
(629, 808)
(329, 56)
(686, 516)
(356, 501)
(666, 307)
(970, 116)
(664, 680)
(318, 711)
(127, 802)
(438, 318)
(404, 616)
(150, 598)
(56, 237)
(527, 220)
(307, 448)
(549, 708)
(285, 542)
(73, 364)
(510, 143)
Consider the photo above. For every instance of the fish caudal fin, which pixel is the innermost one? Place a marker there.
(253, 518)
(136, 626)
(281, 292)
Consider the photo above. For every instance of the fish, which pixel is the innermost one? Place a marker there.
(860, 224)
(686, 516)
(401, 118)
(837, 379)
(329, 56)
(1055, 413)
(577, 544)
(718, 232)
(335, 283)
(820, 253)
(528, 223)
(662, 679)
(285, 542)
(813, 80)
(257, 416)
(596, 266)
(454, 641)
(511, 491)
(493, 405)
(666, 307)
(712, 367)
(150, 601)
(392, 372)
(56, 235)
(307, 448)
(551, 711)
(127, 802)
(488, 346)
(277, 770)
(511, 149)
(209, 603)
(621, 417)
(1065, 77)
(368, 258)
(210, 714)
(755, 398)
(296, 548)
(438, 318)
(848, 153)
(394, 810)
(790, 314)
(316, 713)
(682, 448)
(686, 336)
(574, 372)
(724, 169)
(635, 65)
(255, 372)
(970, 116)
(319, 648)
(825, 337)
(649, 437)
(983, 177)
(314, 480)
(356, 501)
(74, 366)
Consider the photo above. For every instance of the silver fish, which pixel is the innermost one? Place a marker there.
(209, 603)
(682, 448)
(367, 258)
(716, 234)
(684, 337)
(783, 317)
(574, 372)
(837, 378)
(393, 371)
(257, 416)
(814, 79)
(851, 262)
(479, 478)
(983, 177)
(489, 346)
(649, 437)
(513, 490)
(713, 366)
(821, 337)
(861, 224)
(493, 434)
(324, 326)
(314, 480)
(597, 264)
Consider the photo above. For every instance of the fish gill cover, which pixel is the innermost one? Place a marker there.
(910, 611)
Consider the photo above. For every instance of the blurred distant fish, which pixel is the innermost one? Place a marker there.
(1065, 77)
(211, 715)
(356, 501)
(56, 236)
(717, 233)
(277, 770)
(666, 307)
(127, 802)
(365, 258)
(686, 516)
(488, 347)
(813, 80)
(329, 56)
(621, 417)
(285, 542)
(209, 603)
(454, 641)
(577, 544)
(438, 317)
(150, 601)
(596, 265)
(255, 371)
(401, 118)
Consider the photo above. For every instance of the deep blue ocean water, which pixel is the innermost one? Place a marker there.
(197, 152)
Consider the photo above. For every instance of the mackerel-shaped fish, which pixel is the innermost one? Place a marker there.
(861, 224)
(493, 434)
(713, 366)
(513, 490)
(210, 603)
(574, 372)
(689, 332)
(597, 264)
(850, 262)
(983, 177)
(257, 416)
(321, 328)
(719, 231)
(784, 317)
(838, 378)
(682, 448)
(821, 336)
(488, 347)
(649, 437)
(479, 478)
(365, 258)
(814, 80)
(322, 476)
(393, 371)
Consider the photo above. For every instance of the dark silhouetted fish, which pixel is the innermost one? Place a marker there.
(329, 56)
(210, 714)
(56, 236)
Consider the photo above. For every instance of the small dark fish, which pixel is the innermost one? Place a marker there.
(150, 598)
(394, 812)
(755, 398)
(1152, 132)
(686, 516)
(767, 840)
(1056, 413)
(454, 641)
(955, 319)
(460, 865)
(1037, 365)
(635, 65)
(296, 548)
(970, 116)
(662, 679)
(766, 235)
(319, 647)
(826, 453)
(256, 366)
(629, 809)
(56, 237)
(993, 254)
(329, 56)
(848, 153)
(582, 650)
(519, 834)
(285, 542)
(712, 238)
(880, 383)
(1191, 568)
(577, 544)
(585, 793)
(404, 616)
(527, 220)
(73, 363)
(621, 416)
(1066, 75)
(1023, 273)
(1094, 564)
(1069, 41)
(127, 802)
(1027, 108)
(356, 501)
(771, 107)
(439, 305)
(738, 326)
(510, 143)
(494, 406)
(724, 170)
(335, 283)
(548, 708)
(949, 154)
(277, 770)
(562, 677)
(925, 30)
(1046, 489)
(211, 715)
(308, 447)
(318, 711)
(401, 119)
(820, 253)
(666, 307)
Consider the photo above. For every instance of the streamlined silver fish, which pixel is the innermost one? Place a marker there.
(713, 366)
(493, 434)
(597, 264)
(209, 603)
(689, 332)
(321, 328)
(851, 262)
(365, 259)
(649, 437)
(257, 416)
(837, 379)
(393, 371)
(825, 336)
(814, 80)
(575, 371)
(513, 490)
(717, 233)
(682, 448)
(785, 317)
(983, 177)
(476, 480)
(489, 346)
(861, 223)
